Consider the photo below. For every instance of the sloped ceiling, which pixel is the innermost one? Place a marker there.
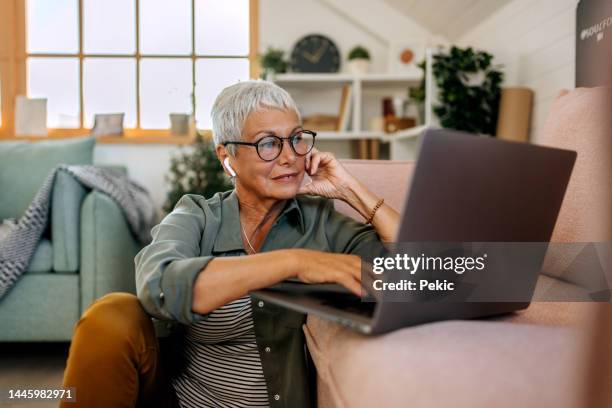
(449, 18)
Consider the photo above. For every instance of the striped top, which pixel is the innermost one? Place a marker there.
(223, 367)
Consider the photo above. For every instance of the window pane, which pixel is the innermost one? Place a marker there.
(174, 17)
(165, 87)
(109, 86)
(212, 75)
(108, 26)
(52, 26)
(56, 79)
(222, 27)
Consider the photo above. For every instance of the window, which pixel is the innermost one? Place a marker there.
(145, 58)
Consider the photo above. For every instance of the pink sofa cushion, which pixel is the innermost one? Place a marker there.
(387, 179)
(579, 120)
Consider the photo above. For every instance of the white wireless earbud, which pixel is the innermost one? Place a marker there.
(228, 167)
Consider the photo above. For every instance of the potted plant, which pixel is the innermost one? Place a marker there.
(195, 171)
(358, 60)
(469, 89)
(272, 62)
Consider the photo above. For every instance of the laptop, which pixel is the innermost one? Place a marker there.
(465, 188)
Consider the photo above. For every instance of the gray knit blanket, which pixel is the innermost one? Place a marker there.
(19, 238)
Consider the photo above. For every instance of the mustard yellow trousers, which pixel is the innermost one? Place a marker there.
(115, 358)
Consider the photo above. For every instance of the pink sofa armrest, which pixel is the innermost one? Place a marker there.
(385, 178)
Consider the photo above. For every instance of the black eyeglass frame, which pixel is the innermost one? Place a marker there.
(282, 139)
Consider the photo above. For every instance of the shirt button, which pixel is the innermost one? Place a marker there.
(260, 303)
(276, 397)
(161, 295)
(268, 349)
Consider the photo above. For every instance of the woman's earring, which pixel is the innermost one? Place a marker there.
(229, 167)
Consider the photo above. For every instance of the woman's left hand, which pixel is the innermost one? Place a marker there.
(329, 178)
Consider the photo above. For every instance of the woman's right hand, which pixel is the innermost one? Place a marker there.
(324, 267)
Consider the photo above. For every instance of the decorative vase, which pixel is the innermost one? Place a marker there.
(358, 66)
(179, 123)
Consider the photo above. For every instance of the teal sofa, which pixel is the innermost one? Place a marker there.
(86, 252)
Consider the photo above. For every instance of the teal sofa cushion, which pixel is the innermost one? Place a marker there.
(42, 260)
(68, 196)
(40, 307)
(25, 165)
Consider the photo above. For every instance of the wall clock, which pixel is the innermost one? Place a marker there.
(315, 53)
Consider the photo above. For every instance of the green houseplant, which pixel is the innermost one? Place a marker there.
(469, 90)
(195, 171)
(359, 52)
(273, 62)
(359, 60)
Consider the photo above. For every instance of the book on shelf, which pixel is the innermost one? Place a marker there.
(345, 108)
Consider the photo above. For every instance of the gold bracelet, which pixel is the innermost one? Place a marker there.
(373, 212)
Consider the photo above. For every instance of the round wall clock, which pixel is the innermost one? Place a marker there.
(315, 53)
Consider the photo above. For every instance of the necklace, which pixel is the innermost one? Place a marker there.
(247, 239)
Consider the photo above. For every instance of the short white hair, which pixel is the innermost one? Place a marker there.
(236, 102)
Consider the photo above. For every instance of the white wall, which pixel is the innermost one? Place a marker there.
(371, 23)
(534, 40)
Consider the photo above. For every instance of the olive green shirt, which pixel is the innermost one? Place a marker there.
(197, 230)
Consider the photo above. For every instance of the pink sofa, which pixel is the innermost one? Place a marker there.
(529, 359)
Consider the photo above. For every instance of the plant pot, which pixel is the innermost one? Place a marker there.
(268, 74)
(179, 123)
(358, 66)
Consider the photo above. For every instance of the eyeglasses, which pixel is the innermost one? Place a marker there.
(270, 147)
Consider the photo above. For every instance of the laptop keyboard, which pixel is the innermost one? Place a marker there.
(348, 303)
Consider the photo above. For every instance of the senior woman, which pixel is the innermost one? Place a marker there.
(207, 255)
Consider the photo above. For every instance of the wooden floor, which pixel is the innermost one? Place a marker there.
(31, 365)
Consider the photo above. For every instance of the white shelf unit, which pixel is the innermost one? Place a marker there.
(402, 144)
(383, 137)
